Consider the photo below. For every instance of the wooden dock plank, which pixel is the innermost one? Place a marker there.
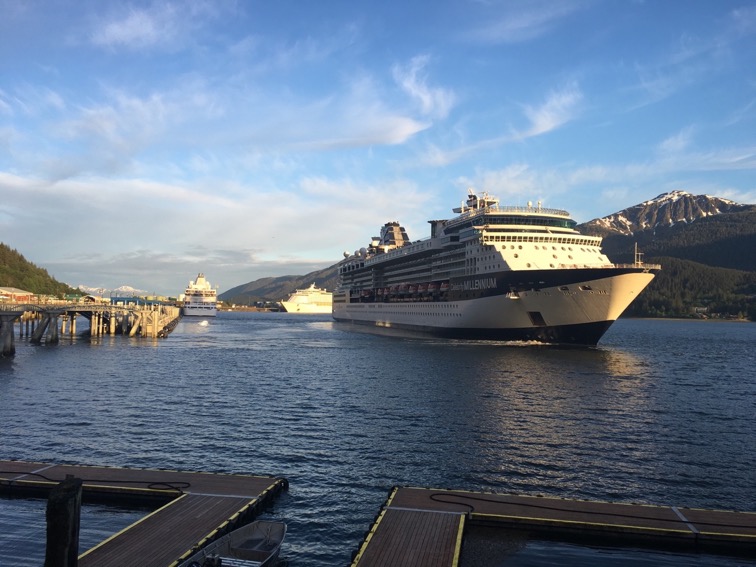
(404, 524)
(411, 538)
(162, 537)
(200, 506)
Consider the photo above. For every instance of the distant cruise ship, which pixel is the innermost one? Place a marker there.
(200, 299)
(501, 273)
(310, 300)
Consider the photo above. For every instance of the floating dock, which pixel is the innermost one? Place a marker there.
(194, 508)
(419, 527)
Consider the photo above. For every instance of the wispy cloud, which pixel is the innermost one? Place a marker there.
(692, 59)
(560, 107)
(138, 28)
(162, 24)
(520, 21)
(435, 102)
(676, 144)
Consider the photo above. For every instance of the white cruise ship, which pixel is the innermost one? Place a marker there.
(200, 299)
(310, 300)
(491, 272)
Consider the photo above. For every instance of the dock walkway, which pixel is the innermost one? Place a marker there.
(197, 507)
(422, 527)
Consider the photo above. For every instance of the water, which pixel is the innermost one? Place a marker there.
(663, 412)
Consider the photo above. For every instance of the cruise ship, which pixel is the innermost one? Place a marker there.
(310, 300)
(490, 273)
(200, 299)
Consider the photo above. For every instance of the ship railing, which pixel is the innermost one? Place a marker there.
(513, 209)
(639, 265)
(417, 246)
(607, 266)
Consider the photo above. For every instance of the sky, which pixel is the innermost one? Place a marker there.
(144, 142)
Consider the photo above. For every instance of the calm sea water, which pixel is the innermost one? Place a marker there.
(662, 412)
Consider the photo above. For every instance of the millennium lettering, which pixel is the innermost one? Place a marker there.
(480, 283)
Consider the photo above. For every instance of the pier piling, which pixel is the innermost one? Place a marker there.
(6, 335)
(63, 518)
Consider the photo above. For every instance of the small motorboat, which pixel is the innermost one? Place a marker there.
(253, 545)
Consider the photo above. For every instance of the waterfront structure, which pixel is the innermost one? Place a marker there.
(48, 321)
(492, 272)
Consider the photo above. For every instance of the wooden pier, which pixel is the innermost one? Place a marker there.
(48, 321)
(420, 527)
(194, 508)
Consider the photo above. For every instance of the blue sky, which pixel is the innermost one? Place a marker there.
(143, 142)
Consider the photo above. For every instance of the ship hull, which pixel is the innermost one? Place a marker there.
(200, 309)
(571, 306)
(305, 308)
(199, 312)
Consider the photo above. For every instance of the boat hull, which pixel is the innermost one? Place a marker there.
(305, 308)
(199, 310)
(571, 306)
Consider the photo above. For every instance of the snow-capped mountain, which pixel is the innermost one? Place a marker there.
(666, 210)
(123, 291)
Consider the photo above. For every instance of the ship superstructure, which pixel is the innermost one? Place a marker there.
(308, 301)
(200, 298)
(491, 272)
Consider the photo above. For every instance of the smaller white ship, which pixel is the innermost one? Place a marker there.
(310, 300)
(200, 299)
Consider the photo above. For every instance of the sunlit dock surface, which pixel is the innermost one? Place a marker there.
(192, 508)
(419, 527)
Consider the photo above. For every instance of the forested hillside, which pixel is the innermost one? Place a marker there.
(17, 271)
(688, 289)
(725, 241)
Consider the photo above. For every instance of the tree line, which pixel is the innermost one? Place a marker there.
(16, 271)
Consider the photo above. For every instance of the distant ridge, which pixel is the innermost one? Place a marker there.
(279, 288)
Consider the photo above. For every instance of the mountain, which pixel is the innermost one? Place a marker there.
(276, 289)
(665, 211)
(16, 271)
(706, 246)
(123, 291)
(706, 230)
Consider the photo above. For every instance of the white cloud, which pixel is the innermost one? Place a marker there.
(677, 143)
(436, 102)
(559, 108)
(138, 28)
(161, 24)
(520, 21)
